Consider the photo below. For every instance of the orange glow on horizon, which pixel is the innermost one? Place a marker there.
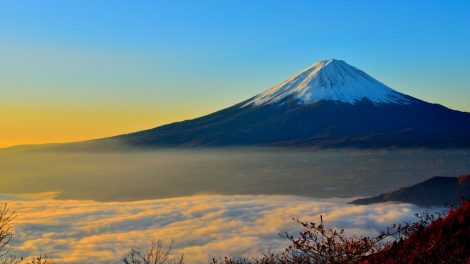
(42, 125)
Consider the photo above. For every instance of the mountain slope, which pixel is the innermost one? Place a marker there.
(330, 104)
(437, 191)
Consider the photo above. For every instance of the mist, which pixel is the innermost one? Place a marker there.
(126, 175)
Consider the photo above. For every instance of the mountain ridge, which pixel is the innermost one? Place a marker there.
(436, 191)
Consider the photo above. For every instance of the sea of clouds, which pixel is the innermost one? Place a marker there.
(203, 227)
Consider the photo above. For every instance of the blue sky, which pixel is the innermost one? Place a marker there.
(137, 64)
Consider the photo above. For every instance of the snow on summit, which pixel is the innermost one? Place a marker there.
(330, 80)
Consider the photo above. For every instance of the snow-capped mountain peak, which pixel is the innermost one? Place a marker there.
(329, 80)
(374, 116)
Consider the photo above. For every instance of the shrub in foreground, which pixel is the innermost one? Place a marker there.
(156, 253)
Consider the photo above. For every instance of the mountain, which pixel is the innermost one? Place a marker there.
(437, 191)
(329, 104)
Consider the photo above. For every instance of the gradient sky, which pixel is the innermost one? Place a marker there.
(73, 70)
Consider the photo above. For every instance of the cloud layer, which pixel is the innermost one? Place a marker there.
(203, 226)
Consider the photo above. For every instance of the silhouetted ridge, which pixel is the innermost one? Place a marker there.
(437, 191)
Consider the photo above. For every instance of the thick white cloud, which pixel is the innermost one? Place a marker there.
(203, 227)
